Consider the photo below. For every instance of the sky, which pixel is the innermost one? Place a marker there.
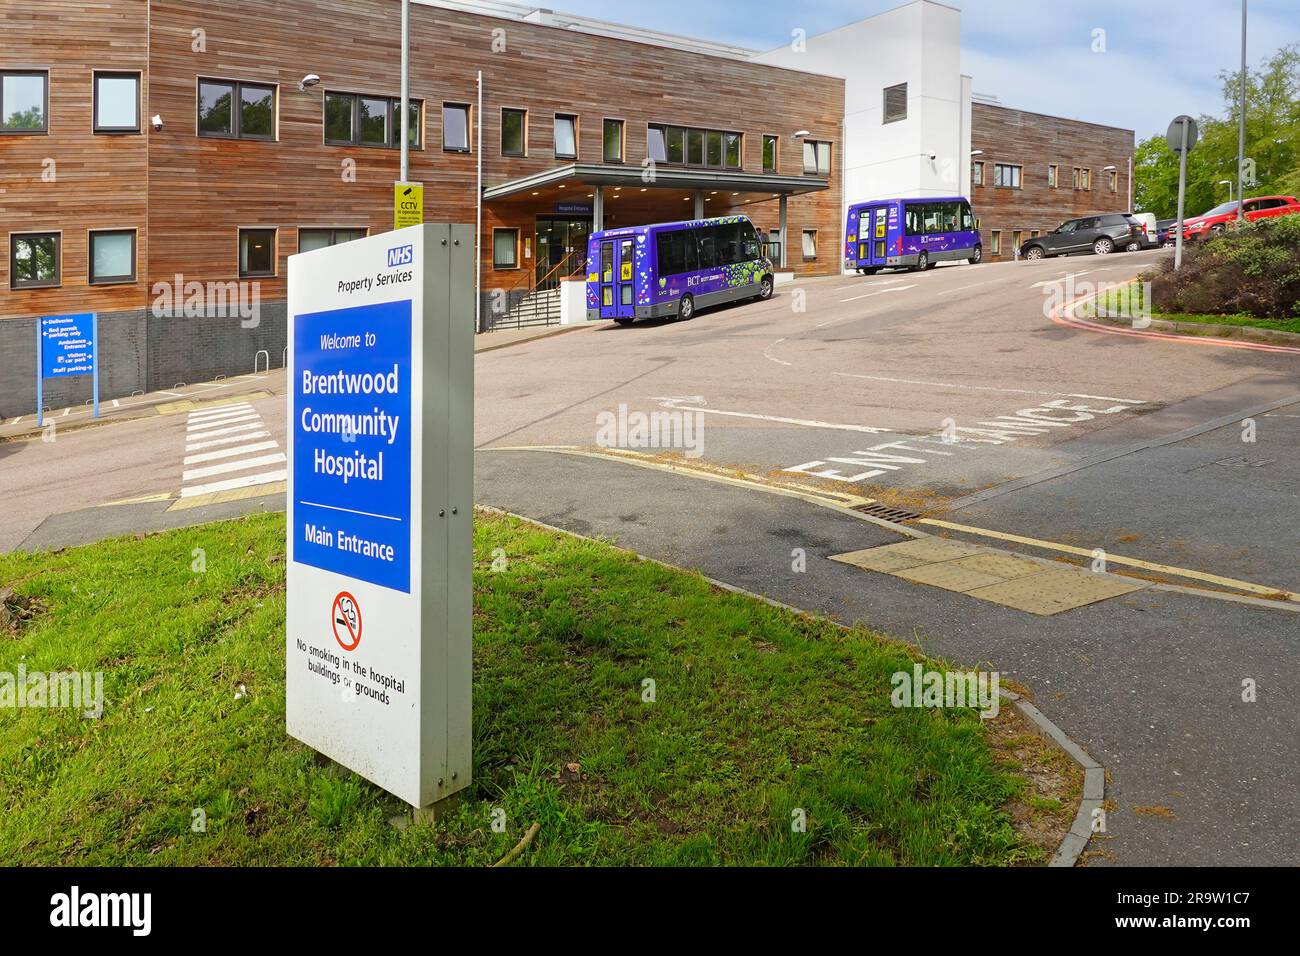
(1162, 57)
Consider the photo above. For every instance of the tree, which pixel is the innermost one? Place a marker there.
(1272, 143)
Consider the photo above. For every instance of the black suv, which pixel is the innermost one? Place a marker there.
(1099, 234)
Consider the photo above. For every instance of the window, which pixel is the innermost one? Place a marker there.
(505, 249)
(355, 119)
(810, 243)
(1006, 175)
(816, 158)
(24, 102)
(1033, 233)
(309, 239)
(236, 110)
(967, 218)
(1052, 175)
(1114, 180)
(995, 242)
(455, 128)
(1017, 239)
(34, 260)
(514, 132)
(612, 138)
(566, 136)
(1082, 178)
(895, 103)
(117, 102)
(708, 246)
(770, 146)
(112, 256)
(256, 253)
(977, 173)
(678, 145)
(678, 252)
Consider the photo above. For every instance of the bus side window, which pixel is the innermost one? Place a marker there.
(913, 216)
(750, 241)
(707, 240)
(967, 218)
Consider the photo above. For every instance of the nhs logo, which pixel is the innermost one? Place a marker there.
(401, 256)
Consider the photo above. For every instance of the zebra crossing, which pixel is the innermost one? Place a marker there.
(227, 448)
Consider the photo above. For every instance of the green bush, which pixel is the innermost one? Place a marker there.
(1254, 271)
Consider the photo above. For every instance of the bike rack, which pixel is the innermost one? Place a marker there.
(261, 352)
(284, 358)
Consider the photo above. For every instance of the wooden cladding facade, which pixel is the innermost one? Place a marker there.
(1034, 142)
(189, 195)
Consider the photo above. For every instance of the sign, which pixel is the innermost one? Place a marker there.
(573, 208)
(66, 345)
(408, 204)
(380, 503)
(1174, 137)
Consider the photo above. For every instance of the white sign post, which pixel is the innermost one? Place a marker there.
(380, 507)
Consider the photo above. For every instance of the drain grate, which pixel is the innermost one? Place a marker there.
(888, 513)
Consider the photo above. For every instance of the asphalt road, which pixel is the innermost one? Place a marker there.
(951, 392)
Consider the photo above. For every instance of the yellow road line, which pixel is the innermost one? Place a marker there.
(1117, 559)
(190, 405)
(164, 496)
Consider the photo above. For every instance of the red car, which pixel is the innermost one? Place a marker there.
(1222, 217)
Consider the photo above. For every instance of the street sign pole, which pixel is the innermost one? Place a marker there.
(94, 338)
(40, 373)
(1182, 193)
(1241, 125)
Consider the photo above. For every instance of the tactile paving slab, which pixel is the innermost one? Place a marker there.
(950, 576)
(1051, 592)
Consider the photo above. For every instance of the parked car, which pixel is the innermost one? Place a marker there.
(1223, 216)
(1149, 230)
(1099, 234)
(1165, 231)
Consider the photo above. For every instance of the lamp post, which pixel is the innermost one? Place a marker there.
(1228, 183)
(1241, 124)
(406, 90)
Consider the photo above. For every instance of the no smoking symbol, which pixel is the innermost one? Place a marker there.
(346, 615)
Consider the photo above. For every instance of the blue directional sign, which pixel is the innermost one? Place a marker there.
(352, 440)
(66, 345)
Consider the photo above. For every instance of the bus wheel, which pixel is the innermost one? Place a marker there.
(765, 288)
(976, 255)
(922, 262)
(685, 309)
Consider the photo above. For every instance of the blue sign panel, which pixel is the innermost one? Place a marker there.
(352, 439)
(67, 345)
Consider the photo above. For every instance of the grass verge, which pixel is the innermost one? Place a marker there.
(1122, 302)
(758, 713)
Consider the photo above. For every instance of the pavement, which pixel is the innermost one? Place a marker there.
(1113, 508)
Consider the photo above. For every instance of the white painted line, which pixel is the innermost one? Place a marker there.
(769, 357)
(314, 504)
(65, 413)
(867, 285)
(16, 420)
(963, 288)
(173, 394)
(1064, 277)
(224, 431)
(202, 427)
(228, 466)
(195, 446)
(854, 298)
(115, 405)
(232, 483)
(229, 452)
(210, 385)
(221, 410)
(991, 388)
(810, 423)
(237, 415)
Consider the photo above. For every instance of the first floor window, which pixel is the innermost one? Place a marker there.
(117, 102)
(895, 107)
(256, 253)
(566, 137)
(977, 174)
(112, 256)
(309, 239)
(514, 135)
(24, 102)
(769, 154)
(810, 243)
(1082, 178)
(613, 141)
(995, 242)
(1052, 176)
(355, 120)
(1114, 180)
(816, 158)
(1006, 175)
(656, 145)
(455, 128)
(34, 260)
(682, 145)
(505, 248)
(237, 110)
